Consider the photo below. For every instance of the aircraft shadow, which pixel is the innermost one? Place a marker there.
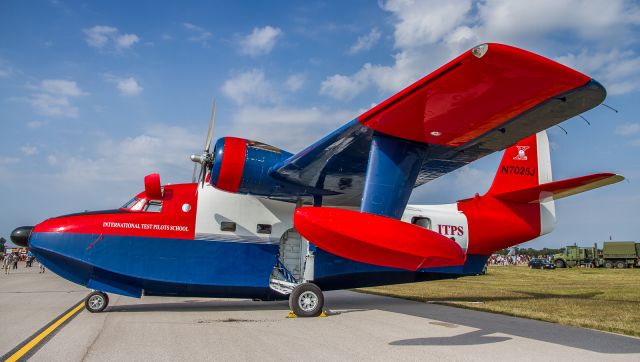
(191, 306)
(465, 339)
(486, 324)
(524, 295)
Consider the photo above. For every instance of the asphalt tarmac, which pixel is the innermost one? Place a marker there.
(358, 327)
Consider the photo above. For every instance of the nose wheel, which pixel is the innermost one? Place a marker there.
(306, 300)
(96, 301)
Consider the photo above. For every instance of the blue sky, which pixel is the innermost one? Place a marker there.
(94, 95)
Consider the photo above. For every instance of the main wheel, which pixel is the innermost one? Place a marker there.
(96, 301)
(621, 265)
(608, 264)
(306, 300)
(560, 264)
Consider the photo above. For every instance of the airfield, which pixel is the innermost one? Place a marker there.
(358, 327)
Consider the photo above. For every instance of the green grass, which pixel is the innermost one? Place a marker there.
(604, 299)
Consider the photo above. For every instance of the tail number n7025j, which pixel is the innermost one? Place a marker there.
(517, 170)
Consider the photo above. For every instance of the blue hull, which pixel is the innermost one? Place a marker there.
(134, 266)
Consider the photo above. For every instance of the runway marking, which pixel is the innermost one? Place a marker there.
(34, 342)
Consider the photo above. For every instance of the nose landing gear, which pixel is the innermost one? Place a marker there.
(96, 301)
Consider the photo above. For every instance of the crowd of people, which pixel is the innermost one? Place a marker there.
(517, 259)
(10, 262)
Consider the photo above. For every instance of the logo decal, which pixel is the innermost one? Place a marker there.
(521, 156)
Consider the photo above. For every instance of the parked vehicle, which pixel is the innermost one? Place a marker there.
(618, 254)
(541, 264)
(621, 254)
(574, 255)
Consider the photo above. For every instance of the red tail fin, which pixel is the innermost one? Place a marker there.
(525, 164)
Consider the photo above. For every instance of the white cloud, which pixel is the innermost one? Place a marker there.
(198, 34)
(159, 148)
(127, 86)
(53, 106)
(344, 87)
(99, 35)
(250, 87)
(36, 124)
(102, 37)
(425, 22)
(6, 160)
(5, 69)
(126, 40)
(428, 33)
(61, 87)
(628, 129)
(617, 70)
(260, 41)
(54, 98)
(594, 20)
(302, 126)
(29, 150)
(366, 42)
(295, 82)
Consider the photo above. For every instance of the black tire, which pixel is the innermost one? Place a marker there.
(621, 265)
(96, 301)
(608, 264)
(306, 300)
(560, 264)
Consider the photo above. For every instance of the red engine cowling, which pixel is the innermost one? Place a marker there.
(229, 156)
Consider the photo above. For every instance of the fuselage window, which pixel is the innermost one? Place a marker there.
(227, 226)
(130, 203)
(153, 206)
(264, 229)
(425, 222)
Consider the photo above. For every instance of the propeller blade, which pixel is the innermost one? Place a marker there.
(203, 172)
(207, 143)
(195, 167)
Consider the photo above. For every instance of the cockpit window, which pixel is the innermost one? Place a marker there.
(130, 203)
(153, 206)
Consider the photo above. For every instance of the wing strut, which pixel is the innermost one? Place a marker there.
(392, 171)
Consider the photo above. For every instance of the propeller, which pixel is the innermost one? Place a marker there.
(205, 159)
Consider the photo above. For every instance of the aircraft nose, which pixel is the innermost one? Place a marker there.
(20, 236)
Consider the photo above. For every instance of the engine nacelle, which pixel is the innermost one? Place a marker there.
(242, 166)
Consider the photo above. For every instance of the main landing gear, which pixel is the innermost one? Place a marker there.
(96, 301)
(306, 300)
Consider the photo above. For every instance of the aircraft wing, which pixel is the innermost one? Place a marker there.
(483, 101)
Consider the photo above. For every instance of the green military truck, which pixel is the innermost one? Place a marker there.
(575, 255)
(621, 254)
(618, 254)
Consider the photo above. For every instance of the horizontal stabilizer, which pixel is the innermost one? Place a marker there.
(377, 240)
(560, 189)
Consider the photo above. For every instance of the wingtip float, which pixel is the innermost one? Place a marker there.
(377, 240)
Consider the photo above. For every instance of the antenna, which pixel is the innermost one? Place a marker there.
(611, 108)
(565, 131)
(589, 123)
